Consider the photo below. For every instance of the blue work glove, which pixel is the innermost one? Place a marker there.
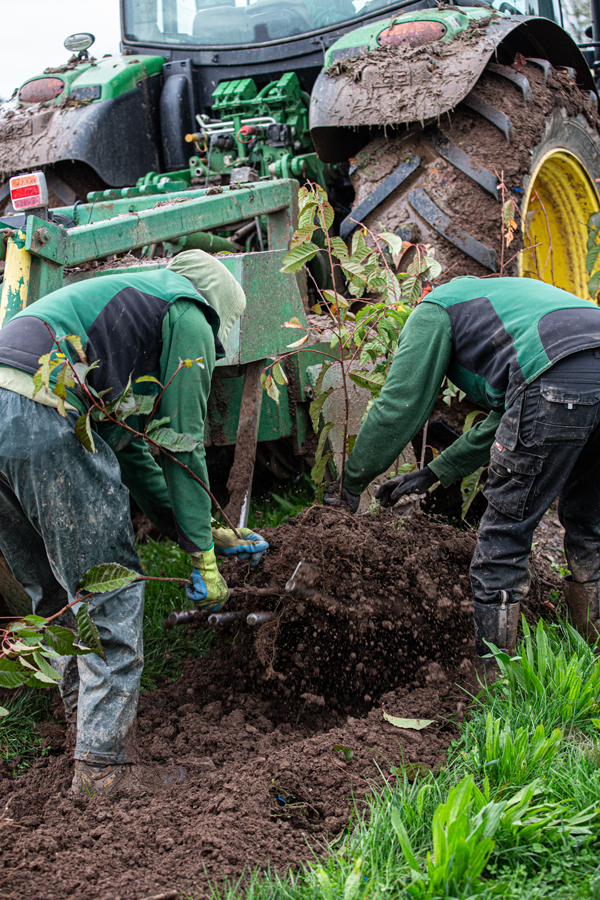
(249, 545)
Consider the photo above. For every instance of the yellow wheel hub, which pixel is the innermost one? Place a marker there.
(559, 201)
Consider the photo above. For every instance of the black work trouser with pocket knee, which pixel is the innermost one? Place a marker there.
(547, 446)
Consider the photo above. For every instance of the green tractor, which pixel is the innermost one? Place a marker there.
(416, 115)
(470, 128)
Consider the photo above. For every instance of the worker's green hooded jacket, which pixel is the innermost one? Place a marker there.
(491, 337)
(136, 325)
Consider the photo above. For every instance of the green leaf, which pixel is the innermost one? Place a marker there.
(3, 711)
(298, 256)
(594, 284)
(279, 374)
(324, 883)
(41, 379)
(75, 340)
(144, 404)
(174, 441)
(12, 673)
(316, 408)
(317, 472)
(32, 620)
(106, 577)
(404, 839)
(351, 442)
(354, 881)
(45, 668)
(88, 633)
(415, 724)
(338, 248)
(470, 419)
(148, 378)
(336, 299)
(319, 385)
(372, 383)
(348, 753)
(63, 641)
(156, 423)
(393, 241)
(83, 432)
(325, 215)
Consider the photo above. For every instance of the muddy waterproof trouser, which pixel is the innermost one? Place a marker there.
(547, 445)
(63, 510)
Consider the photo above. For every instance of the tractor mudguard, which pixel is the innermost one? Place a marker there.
(369, 86)
(114, 136)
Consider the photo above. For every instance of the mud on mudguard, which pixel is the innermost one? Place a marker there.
(362, 89)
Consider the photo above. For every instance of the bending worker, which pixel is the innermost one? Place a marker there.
(64, 509)
(529, 353)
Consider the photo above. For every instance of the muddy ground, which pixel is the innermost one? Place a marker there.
(249, 734)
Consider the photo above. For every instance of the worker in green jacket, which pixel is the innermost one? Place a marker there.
(530, 354)
(64, 509)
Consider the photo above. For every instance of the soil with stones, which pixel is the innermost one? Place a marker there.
(250, 739)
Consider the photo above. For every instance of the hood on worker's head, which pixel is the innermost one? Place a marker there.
(216, 284)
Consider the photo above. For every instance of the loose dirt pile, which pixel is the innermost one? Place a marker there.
(255, 730)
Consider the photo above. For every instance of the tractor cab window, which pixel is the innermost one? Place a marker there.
(549, 9)
(210, 23)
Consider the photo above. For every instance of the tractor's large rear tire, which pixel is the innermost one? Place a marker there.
(545, 145)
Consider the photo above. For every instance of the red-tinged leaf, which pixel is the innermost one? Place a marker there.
(75, 340)
(266, 379)
(299, 343)
(64, 380)
(83, 432)
(294, 322)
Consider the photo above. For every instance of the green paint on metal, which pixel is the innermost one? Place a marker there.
(112, 75)
(456, 20)
(224, 412)
(175, 218)
(273, 298)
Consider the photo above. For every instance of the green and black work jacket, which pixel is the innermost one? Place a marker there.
(134, 325)
(491, 337)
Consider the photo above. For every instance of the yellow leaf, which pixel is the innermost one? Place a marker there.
(294, 322)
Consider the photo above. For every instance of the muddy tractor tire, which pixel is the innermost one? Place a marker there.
(528, 127)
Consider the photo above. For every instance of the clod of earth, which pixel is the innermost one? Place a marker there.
(281, 730)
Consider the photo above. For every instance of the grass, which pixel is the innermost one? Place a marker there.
(513, 814)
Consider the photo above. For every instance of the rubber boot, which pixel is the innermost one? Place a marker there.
(496, 623)
(583, 600)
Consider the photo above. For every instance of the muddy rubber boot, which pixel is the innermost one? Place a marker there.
(496, 623)
(124, 780)
(105, 780)
(583, 600)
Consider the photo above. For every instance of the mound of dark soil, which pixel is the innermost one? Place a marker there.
(253, 730)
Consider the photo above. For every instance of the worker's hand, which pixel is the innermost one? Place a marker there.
(248, 546)
(414, 483)
(208, 589)
(333, 497)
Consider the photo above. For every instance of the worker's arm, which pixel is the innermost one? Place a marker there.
(408, 396)
(468, 453)
(188, 335)
(146, 482)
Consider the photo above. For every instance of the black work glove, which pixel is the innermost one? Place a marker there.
(414, 483)
(333, 497)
